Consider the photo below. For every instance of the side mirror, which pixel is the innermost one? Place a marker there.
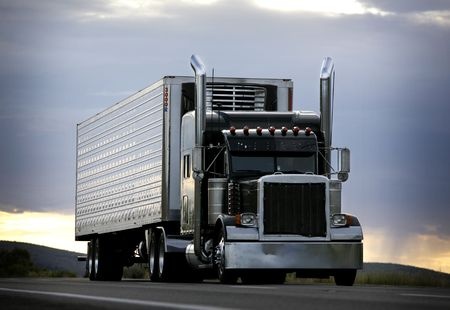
(344, 164)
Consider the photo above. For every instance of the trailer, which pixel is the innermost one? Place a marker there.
(215, 177)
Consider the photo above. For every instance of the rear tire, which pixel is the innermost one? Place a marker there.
(153, 260)
(90, 261)
(345, 277)
(168, 265)
(107, 263)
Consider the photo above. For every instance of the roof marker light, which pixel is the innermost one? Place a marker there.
(272, 130)
(295, 130)
(233, 130)
(259, 131)
(245, 130)
(308, 131)
(283, 131)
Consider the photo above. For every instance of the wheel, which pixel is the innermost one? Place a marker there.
(107, 263)
(90, 261)
(153, 261)
(168, 266)
(345, 277)
(263, 277)
(224, 275)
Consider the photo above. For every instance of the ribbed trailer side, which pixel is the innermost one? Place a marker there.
(120, 165)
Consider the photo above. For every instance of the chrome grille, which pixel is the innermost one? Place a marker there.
(229, 97)
(295, 209)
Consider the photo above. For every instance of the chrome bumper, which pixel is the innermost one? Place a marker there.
(294, 255)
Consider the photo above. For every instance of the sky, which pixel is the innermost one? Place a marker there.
(63, 61)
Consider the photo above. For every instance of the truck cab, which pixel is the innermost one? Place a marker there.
(270, 201)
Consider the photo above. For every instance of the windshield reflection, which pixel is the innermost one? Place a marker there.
(246, 164)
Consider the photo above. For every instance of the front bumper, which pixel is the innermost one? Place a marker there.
(294, 255)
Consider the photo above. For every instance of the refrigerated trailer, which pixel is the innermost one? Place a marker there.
(199, 177)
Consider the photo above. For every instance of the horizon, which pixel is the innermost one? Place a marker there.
(365, 262)
(63, 62)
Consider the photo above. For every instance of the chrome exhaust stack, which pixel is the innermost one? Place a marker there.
(200, 98)
(197, 156)
(326, 107)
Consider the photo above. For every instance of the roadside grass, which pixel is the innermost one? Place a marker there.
(410, 276)
(136, 271)
(400, 278)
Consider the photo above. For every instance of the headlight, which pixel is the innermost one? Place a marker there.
(339, 220)
(246, 219)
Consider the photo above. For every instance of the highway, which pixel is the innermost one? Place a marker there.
(76, 293)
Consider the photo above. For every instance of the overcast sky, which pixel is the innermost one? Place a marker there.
(63, 61)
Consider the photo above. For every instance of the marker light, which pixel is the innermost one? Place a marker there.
(233, 130)
(283, 131)
(245, 130)
(272, 130)
(308, 131)
(295, 130)
(259, 131)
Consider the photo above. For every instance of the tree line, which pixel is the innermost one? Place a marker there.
(18, 263)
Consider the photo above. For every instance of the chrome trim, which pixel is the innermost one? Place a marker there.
(326, 105)
(200, 124)
(347, 233)
(200, 98)
(292, 179)
(294, 255)
(242, 233)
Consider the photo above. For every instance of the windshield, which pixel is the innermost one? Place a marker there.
(260, 164)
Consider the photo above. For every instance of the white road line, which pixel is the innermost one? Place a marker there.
(426, 295)
(148, 303)
(254, 287)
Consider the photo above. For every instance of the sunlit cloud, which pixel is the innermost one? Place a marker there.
(439, 18)
(143, 8)
(427, 250)
(200, 2)
(49, 229)
(323, 7)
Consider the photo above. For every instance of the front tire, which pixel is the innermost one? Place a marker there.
(263, 277)
(345, 277)
(224, 275)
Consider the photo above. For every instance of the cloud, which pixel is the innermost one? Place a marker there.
(122, 9)
(408, 6)
(322, 7)
(438, 18)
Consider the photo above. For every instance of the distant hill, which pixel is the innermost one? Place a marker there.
(395, 274)
(49, 258)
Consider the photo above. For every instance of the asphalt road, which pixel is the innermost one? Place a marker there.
(131, 294)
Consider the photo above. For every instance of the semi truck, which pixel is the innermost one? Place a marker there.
(200, 177)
